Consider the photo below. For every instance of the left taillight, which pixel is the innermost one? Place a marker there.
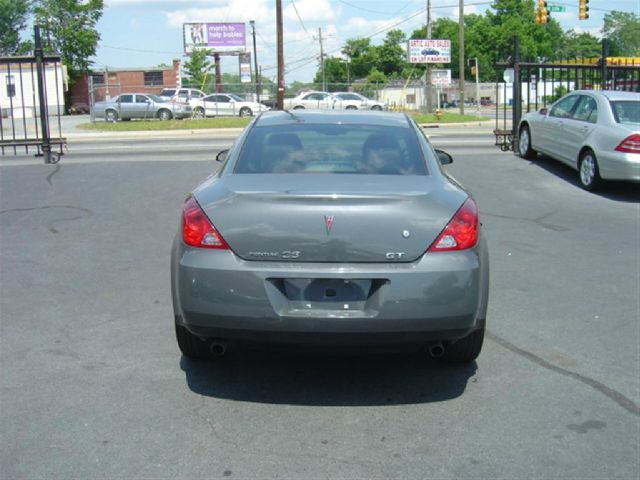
(197, 230)
(461, 233)
(631, 144)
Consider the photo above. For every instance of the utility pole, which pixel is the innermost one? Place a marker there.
(427, 75)
(255, 60)
(280, 94)
(461, 54)
(477, 72)
(216, 58)
(324, 78)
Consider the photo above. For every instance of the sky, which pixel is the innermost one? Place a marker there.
(147, 33)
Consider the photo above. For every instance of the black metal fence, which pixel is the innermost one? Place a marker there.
(528, 86)
(31, 99)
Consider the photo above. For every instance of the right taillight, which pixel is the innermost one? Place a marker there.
(631, 144)
(197, 230)
(461, 232)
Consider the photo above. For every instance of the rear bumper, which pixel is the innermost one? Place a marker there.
(619, 166)
(441, 296)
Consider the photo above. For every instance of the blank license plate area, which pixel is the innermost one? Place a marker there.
(324, 297)
(326, 290)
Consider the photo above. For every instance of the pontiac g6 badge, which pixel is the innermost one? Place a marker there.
(328, 223)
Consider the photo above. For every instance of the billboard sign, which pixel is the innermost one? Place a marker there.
(215, 37)
(441, 78)
(245, 67)
(429, 51)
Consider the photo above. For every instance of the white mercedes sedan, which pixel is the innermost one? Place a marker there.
(595, 132)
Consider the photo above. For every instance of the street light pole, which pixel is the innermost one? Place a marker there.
(255, 60)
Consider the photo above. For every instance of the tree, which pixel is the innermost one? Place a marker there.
(69, 29)
(13, 19)
(362, 55)
(623, 31)
(391, 56)
(580, 45)
(198, 67)
(335, 73)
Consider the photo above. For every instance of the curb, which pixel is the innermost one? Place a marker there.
(154, 134)
(220, 132)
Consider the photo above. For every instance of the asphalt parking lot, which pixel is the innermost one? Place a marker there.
(92, 384)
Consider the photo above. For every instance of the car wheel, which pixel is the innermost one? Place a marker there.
(466, 349)
(191, 345)
(376, 107)
(245, 112)
(111, 116)
(524, 143)
(351, 107)
(198, 113)
(588, 171)
(164, 114)
(298, 107)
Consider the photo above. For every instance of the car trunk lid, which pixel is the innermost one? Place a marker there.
(329, 218)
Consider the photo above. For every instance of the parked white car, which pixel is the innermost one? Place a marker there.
(331, 101)
(220, 104)
(184, 95)
(595, 132)
(355, 101)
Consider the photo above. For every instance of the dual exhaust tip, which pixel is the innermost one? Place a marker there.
(436, 350)
(218, 348)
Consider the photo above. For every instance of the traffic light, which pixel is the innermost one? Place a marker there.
(583, 9)
(542, 12)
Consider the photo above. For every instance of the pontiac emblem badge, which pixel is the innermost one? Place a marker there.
(328, 223)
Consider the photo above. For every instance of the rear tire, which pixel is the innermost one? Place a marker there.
(165, 115)
(466, 349)
(376, 107)
(298, 107)
(246, 112)
(588, 172)
(192, 346)
(524, 143)
(111, 116)
(351, 107)
(198, 112)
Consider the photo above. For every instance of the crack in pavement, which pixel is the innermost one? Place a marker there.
(626, 403)
(50, 176)
(51, 224)
(537, 220)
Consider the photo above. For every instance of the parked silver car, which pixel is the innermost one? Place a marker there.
(331, 228)
(595, 132)
(140, 105)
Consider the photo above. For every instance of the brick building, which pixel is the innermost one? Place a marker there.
(114, 81)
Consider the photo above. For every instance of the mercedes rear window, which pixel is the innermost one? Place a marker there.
(626, 112)
(330, 148)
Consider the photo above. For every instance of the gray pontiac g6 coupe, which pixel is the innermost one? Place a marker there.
(331, 229)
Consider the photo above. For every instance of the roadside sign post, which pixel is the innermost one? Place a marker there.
(429, 51)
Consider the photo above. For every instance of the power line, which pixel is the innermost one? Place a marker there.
(300, 18)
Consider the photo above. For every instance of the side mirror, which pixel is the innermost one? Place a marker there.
(543, 111)
(222, 155)
(444, 157)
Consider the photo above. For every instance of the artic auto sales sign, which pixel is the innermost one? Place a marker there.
(429, 51)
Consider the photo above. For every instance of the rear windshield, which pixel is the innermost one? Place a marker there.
(304, 148)
(626, 112)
